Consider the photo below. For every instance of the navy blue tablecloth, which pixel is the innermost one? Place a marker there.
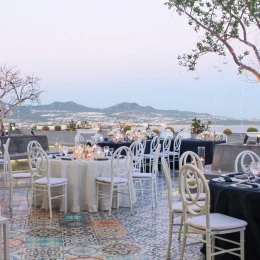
(186, 145)
(242, 204)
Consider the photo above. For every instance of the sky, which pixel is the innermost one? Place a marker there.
(101, 53)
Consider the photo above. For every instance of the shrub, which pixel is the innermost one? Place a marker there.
(171, 128)
(57, 127)
(252, 129)
(127, 128)
(45, 128)
(197, 127)
(71, 126)
(228, 131)
(156, 131)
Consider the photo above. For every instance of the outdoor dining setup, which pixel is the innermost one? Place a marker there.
(99, 174)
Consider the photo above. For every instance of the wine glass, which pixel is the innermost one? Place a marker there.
(111, 150)
(65, 150)
(250, 175)
(106, 150)
(99, 150)
(61, 150)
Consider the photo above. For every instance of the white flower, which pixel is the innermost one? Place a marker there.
(110, 133)
(143, 131)
(206, 132)
(129, 132)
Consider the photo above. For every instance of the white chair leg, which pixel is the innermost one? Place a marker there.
(130, 200)
(213, 246)
(208, 247)
(155, 189)
(111, 200)
(152, 193)
(183, 242)
(11, 190)
(242, 245)
(171, 220)
(141, 186)
(6, 241)
(49, 199)
(180, 229)
(65, 199)
(97, 192)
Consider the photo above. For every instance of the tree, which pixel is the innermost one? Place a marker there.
(227, 26)
(197, 127)
(16, 89)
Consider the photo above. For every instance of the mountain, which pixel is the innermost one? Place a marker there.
(62, 112)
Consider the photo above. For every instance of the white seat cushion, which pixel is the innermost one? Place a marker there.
(148, 155)
(173, 153)
(21, 175)
(202, 196)
(108, 179)
(177, 207)
(53, 181)
(142, 175)
(217, 222)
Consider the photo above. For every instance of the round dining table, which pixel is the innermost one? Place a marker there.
(241, 203)
(81, 189)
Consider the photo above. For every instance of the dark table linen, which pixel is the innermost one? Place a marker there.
(242, 204)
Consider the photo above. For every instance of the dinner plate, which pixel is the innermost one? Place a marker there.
(221, 179)
(241, 186)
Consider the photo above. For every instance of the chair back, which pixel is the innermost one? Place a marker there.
(40, 165)
(168, 179)
(191, 199)
(165, 133)
(137, 151)
(221, 137)
(121, 163)
(155, 160)
(33, 144)
(8, 166)
(7, 143)
(154, 144)
(79, 139)
(177, 144)
(191, 158)
(185, 134)
(167, 144)
(143, 141)
(243, 158)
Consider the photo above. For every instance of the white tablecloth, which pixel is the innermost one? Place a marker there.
(81, 183)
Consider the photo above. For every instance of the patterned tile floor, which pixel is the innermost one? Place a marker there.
(142, 236)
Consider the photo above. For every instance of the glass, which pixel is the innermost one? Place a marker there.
(201, 154)
(250, 175)
(65, 150)
(106, 150)
(111, 151)
(61, 150)
(99, 150)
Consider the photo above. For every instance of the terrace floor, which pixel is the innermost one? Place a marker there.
(92, 236)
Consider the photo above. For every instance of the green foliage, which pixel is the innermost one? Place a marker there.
(252, 129)
(221, 25)
(171, 128)
(197, 127)
(228, 131)
(127, 128)
(71, 126)
(57, 127)
(156, 131)
(148, 127)
(45, 128)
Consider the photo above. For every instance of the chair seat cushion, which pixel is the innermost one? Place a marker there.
(202, 196)
(53, 181)
(142, 175)
(177, 207)
(149, 155)
(108, 179)
(173, 153)
(217, 222)
(21, 175)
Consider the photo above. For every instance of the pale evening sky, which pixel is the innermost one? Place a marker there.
(101, 53)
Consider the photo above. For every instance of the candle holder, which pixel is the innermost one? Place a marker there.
(201, 154)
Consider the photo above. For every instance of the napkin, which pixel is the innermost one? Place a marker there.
(66, 158)
(227, 179)
(251, 184)
(100, 159)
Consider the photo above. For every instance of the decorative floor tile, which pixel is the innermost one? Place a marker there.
(87, 251)
(128, 257)
(69, 241)
(42, 242)
(44, 252)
